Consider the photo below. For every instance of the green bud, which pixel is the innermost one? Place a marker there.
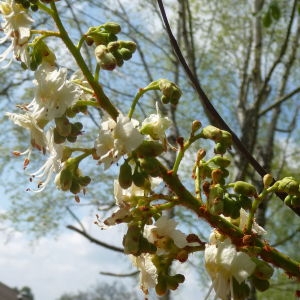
(125, 53)
(244, 188)
(72, 139)
(105, 59)
(164, 99)
(220, 148)
(113, 46)
(149, 149)
(196, 125)
(119, 58)
(125, 175)
(58, 139)
(84, 180)
(128, 45)
(215, 199)
(231, 207)
(288, 185)
(267, 180)
(240, 291)
(295, 202)
(63, 126)
(161, 287)
(139, 178)
(170, 90)
(75, 187)
(150, 166)
(245, 201)
(221, 161)
(262, 270)
(112, 27)
(260, 284)
(65, 179)
(288, 200)
(76, 129)
(212, 133)
(34, 7)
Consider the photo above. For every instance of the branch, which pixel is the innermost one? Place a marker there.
(212, 112)
(120, 275)
(94, 240)
(279, 101)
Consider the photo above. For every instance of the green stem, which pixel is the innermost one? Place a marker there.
(102, 99)
(152, 86)
(45, 33)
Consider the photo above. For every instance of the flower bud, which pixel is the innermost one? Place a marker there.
(139, 178)
(125, 176)
(244, 188)
(128, 45)
(267, 180)
(75, 187)
(221, 161)
(212, 133)
(112, 27)
(150, 166)
(58, 139)
(262, 270)
(245, 201)
(170, 90)
(125, 53)
(149, 149)
(240, 291)
(161, 287)
(63, 126)
(65, 179)
(84, 180)
(196, 125)
(288, 185)
(105, 59)
(260, 284)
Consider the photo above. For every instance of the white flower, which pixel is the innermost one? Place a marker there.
(16, 27)
(163, 229)
(122, 197)
(116, 139)
(27, 121)
(156, 125)
(148, 271)
(244, 216)
(223, 262)
(54, 93)
(53, 163)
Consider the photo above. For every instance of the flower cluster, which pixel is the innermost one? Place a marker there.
(16, 27)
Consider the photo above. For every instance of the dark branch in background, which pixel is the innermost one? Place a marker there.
(94, 240)
(120, 275)
(215, 117)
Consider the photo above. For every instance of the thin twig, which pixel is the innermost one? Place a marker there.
(94, 240)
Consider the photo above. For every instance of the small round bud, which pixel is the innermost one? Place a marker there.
(260, 284)
(149, 149)
(267, 180)
(125, 53)
(196, 125)
(125, 175)
(244, 188)
(112, 27)
(75, 187)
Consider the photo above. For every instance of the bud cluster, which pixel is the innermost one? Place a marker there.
(109, 52)
(32, 4)
(171, 93)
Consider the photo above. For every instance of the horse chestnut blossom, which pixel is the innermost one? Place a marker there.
(27, 121)
(54, 93)
(148, 271)
(162, 231)
(16, 26)
(116, 139)
(156, 125)
(223, 263)
(52, 165)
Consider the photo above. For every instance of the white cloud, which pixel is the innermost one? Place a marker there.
(52, 267)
